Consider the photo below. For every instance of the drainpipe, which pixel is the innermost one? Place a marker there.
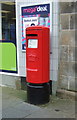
(55, 33)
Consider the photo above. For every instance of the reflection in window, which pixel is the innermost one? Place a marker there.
(8, 21)
(8, 47)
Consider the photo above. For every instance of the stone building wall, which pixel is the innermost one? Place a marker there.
(68, 46)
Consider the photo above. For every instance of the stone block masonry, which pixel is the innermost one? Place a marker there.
(68, 46)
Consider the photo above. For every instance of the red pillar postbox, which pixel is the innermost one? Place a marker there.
(37, 64)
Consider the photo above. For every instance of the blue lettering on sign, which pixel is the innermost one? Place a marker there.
(36, 9)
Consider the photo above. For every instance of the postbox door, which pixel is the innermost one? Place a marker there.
(34, 56)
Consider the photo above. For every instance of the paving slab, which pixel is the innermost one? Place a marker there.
(45, 113)
(56, 108)
(10, 103)
(19, 111)
(14, 105)
(64, 105)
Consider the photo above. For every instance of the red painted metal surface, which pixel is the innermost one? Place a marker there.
(37, 59)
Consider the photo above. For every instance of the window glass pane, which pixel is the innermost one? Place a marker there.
(8, 47)
(8, 21)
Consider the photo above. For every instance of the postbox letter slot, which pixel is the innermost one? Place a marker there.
(31, 35)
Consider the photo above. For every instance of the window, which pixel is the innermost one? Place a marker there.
(8, 42)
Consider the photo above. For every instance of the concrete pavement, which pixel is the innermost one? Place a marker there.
(14, 105)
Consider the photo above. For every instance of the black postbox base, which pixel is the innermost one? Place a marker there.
(38, 93)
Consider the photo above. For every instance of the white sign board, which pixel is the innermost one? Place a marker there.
(32, 43)
(27, 22)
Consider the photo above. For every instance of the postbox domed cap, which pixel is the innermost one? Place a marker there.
(36, 27)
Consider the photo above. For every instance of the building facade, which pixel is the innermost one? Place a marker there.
(62, 23)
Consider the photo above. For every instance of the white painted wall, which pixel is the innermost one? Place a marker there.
(54, 38)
